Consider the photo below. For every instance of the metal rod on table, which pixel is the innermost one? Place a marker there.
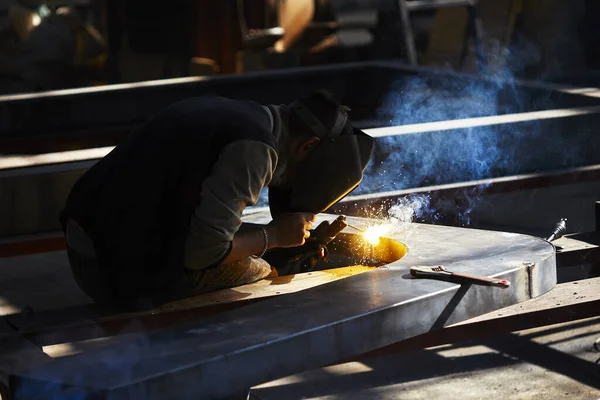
(357, 228)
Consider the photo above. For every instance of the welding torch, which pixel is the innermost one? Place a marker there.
(559, 230)
(305, 257)
(315, 247)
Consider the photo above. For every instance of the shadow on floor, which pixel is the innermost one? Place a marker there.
(551, 362)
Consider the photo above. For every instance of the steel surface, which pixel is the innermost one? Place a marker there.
(224, 354)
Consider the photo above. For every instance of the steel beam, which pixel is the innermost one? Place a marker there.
(365, 87)
(430, 154)
(230, 352)
(34, 196)
(421, 5)
(357, 204)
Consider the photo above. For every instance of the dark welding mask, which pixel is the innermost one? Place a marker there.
(332, 170)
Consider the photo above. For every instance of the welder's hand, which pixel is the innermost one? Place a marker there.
(290, 230)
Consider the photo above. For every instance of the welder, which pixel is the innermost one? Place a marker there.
(160, 217)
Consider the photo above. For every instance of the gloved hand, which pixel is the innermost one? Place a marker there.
(290, 230)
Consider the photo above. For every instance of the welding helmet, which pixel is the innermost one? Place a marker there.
(332, 170)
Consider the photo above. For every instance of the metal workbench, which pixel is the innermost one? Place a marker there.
(233, 351)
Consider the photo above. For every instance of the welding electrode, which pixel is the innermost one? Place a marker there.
(357, 228)
(316, 246)
(559, 230)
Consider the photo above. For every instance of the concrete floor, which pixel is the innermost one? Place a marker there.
(555, 362)
(39, 281)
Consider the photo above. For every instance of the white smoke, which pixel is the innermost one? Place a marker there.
(410, 207)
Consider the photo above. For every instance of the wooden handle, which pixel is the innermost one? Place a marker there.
(441, 273)
(482, 280)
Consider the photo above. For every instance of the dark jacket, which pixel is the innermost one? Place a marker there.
(136, 203)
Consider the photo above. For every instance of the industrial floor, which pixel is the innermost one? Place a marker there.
(554, 362)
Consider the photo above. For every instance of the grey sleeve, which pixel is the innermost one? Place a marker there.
(243, 169)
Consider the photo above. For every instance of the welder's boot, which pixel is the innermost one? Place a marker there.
(248, 270)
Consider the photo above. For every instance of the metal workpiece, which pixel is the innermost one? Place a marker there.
(227, 353)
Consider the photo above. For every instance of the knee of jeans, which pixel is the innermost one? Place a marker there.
(260, 263)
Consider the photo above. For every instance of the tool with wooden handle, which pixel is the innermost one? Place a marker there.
(440, 273)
